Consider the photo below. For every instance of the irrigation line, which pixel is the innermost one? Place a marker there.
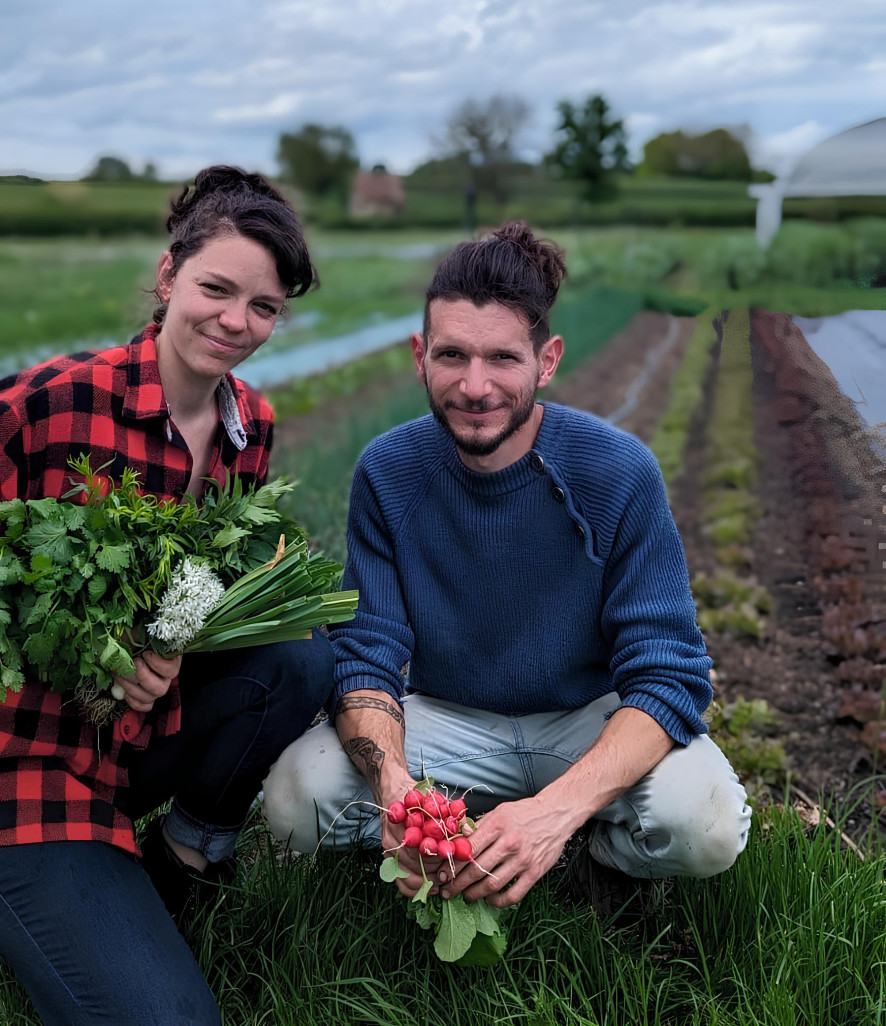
(650, 366)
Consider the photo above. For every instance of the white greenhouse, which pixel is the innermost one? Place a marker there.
(852, 163)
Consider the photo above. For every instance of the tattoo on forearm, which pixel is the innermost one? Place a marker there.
(364, 702)
(367, 757)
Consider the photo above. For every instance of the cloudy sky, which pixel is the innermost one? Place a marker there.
(186, 83)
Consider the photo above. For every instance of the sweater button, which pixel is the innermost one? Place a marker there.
(558, 493)
(536, 462)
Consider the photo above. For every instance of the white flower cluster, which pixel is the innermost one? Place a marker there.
(195, 590)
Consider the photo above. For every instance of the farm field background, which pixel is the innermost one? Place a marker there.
(778, 493)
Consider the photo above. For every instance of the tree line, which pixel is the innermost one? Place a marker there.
(478, 146)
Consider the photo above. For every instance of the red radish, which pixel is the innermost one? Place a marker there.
(413, 799)
(433, 829)
(415, 819)
(446, 849)
(461, 849)
(412, 838)
(457, 808)
(428, 846)
(397, 812)
(451, 826)
(435, 804)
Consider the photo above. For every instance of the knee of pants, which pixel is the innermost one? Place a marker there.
(294, 679)
(301, 797)
(297, 673)
(711, 845)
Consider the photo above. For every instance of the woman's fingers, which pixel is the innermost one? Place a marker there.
(152, 679)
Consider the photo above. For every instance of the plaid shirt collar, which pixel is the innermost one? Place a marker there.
(144, 399)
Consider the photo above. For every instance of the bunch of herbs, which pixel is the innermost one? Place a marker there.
(80, 579)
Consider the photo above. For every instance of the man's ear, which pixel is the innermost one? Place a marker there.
(418, 353)
(548, 358)
(165, 276)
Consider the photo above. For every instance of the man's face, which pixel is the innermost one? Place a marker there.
(482, 374)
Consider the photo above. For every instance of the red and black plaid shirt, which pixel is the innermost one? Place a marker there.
(60, 778)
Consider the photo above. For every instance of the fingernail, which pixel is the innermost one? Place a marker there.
(444, 895)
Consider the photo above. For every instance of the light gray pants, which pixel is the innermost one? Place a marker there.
(688, 817)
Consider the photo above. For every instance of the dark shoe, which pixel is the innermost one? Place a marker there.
(623, 900)
(181, 886)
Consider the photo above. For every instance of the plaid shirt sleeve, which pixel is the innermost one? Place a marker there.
(60, 777)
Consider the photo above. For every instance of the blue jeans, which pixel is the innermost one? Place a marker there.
(687, 817)
(80, 923)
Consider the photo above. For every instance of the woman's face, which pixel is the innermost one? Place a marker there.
(222, 304)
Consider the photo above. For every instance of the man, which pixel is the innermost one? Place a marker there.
(522, 559)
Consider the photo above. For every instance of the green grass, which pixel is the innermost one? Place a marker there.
(72, 291)
(793, 934)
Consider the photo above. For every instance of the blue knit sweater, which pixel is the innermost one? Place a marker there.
(538, 587)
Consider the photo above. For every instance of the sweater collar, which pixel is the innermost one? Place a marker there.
(516, 475)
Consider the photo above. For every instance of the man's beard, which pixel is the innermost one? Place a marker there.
(520, 414)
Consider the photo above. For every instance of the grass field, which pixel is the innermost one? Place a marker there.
(792, 935)
(108, 209)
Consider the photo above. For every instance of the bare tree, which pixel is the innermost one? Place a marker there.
(485, 133)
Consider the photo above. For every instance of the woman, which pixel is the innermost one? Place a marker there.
(82, 919)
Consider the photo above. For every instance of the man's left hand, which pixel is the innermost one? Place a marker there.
(516, 843)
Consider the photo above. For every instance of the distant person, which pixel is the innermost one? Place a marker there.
(522, 559)
(83, 918)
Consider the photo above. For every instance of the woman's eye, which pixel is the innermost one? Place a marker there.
(267, 309)
(212, 287)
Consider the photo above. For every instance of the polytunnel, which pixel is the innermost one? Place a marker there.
(851, 163)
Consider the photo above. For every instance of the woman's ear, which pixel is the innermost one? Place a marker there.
(165, 276)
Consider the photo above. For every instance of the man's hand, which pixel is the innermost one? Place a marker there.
(516, 843)
(371, 726)
(151, 680)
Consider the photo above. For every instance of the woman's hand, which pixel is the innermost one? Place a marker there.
(151, 680)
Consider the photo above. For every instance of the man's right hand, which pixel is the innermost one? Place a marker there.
(371, 726)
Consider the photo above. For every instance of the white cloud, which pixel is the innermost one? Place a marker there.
(283, 106)
(188, 83)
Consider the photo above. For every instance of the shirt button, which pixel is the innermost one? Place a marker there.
(558, 493)
(129, 724)
(536, 462)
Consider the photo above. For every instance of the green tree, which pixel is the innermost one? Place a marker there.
(319, 159)
(110, 169)
(483, 135)
(717, 154)
(591, 145)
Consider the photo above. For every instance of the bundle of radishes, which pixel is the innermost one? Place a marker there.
(433, 824)
(467, 933)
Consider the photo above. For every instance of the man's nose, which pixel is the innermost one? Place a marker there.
(475, 383)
